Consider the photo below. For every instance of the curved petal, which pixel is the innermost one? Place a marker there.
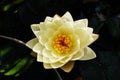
(43, 39)
(36, 29)
(78, 55)
(90, 30)
(39, 57)
(52, 65)
(82, 23)
(68, 67)
(49, 32)
(66, 59)
(46, 59)
(47, 54)
(88, 54)
(32, 43)
(48, 19)
(47, 65)
(93, 38)
(67, 16)
(38, 48)
(57, 64)
(85, 37)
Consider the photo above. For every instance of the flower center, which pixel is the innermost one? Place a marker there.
(62, 43)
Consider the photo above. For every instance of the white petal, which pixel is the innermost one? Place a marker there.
(47, 66)
(46, 59)
(43, 39)
(49, 32)
(48, 19)
(67, 16)
(38, 48)
(95, 37)
(57, 17)
(32, 43)
(51, 25)
(68, 67)
(58, 22)
(35, 28)
(53, 65)
(85, 37)
(78, 55)
(90, 30)
(88, 54)
(39, 57)
(48, 45)
(82, 23)
(66, 59)
(57, 65)
(52, 59)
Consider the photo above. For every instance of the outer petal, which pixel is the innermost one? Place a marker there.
(49, 58)
(39, 57)
(38, 48)
(35, 28)
(88, 54)
(85, 37)
(48, 19)
(68, 67)
(82, 23)
(66, 59)
(47, 66)
(32, 43)
(67, 16)
(78, 55)
(53, 65)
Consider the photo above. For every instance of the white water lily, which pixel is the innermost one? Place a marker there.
(60, 41)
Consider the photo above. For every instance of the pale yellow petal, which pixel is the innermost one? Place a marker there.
(47, 65)
(49, 32)
(48, 45)
(82, 23)
(46, 60)
(48, 57)
(32, 43)
(88, 54)
(47, 54)
(57, 65)
(93, 38)
(65, 59)
(35, 28)
(67, 16)
(51, 25)
(68, 67)
(43, 39)
(39, 57)
(57, 17)
(90, 30)
(38, 48)
(48, 19)
(52, 65)
(57, 21)
(78, 55)
(84, 36)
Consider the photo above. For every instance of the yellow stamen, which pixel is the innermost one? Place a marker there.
(62, 43)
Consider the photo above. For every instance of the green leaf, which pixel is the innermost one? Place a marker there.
(15, 57)
(19, 66)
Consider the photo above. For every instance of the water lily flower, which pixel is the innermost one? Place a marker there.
(60, 41)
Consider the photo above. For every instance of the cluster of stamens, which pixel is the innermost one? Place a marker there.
(62, 43)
